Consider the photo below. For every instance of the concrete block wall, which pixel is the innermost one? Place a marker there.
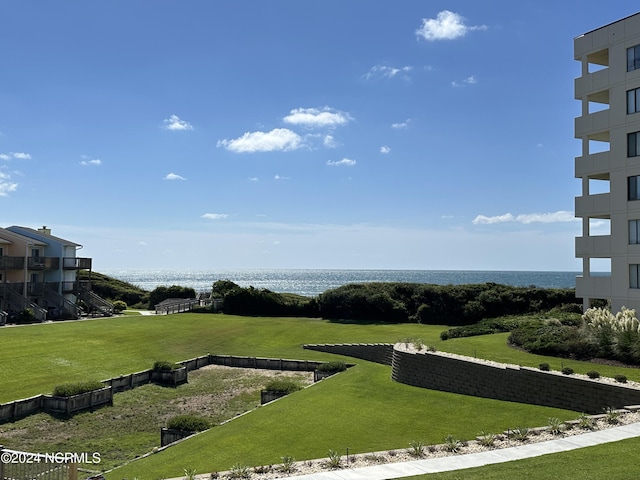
(469, 376)
(373, 352)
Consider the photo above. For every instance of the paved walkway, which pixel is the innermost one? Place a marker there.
(458, 462)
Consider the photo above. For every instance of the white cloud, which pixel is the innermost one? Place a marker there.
(329, 142)
(173, 176)
(472, 80)
(560, 216)
(6, 185)
(174, 123)
(385, 149)
(446, 26)
(317, 117)
(385, 71)
(401, 125)
(215, 216)
(92, 162)
(280, 177)
(18, 155)
(345, 162)
(278, 139)
(253, 179)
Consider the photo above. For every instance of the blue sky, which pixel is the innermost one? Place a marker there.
(288, 134)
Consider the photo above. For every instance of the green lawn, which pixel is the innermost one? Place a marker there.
(348, 410)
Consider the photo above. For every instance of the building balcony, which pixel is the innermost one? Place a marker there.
(43, 263)
(591, 83)
(593, 246)
(593, 205)
(11, 263)
(592, 165)
(592, 123)
(76, 263)
(593, 287)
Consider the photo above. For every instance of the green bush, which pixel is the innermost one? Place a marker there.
(262, 302)
(25, 316)
(567, 371)
(69, 389)
(283, 385)
(593, 374)
(189, 422)
(332, 367)
(162, 293)
(437, 304)
(119, 306)
(165, 366)
(555, 340)
(620, 378)
(545, 367)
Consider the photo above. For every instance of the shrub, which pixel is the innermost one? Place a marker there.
(545, 367)
(585, 422)
(239, 470)
(486, 439)
(416, 449)
(188, 422)
(613, 416)
(521, 434)
(332, 367)
(70, 389)
(287, 464)
(555, 426)
(119, 306)
(620, 378)
(162, 293)
(165, 366)
(567, 371)
(335, 459)
(452, 444)
(283, 385)
(25, 316)
(593, 374)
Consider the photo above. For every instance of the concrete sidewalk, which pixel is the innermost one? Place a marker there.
(458, 462)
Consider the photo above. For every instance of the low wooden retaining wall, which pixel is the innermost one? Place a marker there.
(46, 403)
(77, 403)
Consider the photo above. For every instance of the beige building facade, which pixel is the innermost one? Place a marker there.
(609, 165)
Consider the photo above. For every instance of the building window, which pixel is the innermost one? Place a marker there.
(633, 144)
(633, 100)
(634, 232)
(634, 275)
(634, 188)
(633, 58)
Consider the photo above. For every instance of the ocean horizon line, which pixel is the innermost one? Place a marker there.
(312, 282)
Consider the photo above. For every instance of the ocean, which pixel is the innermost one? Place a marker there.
(313, 282)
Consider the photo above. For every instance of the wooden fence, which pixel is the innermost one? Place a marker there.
(21, 408)
(25, 465)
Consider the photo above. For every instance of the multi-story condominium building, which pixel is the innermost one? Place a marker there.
(39, 272)
(609, 165)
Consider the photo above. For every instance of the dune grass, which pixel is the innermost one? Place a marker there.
(613, 461)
